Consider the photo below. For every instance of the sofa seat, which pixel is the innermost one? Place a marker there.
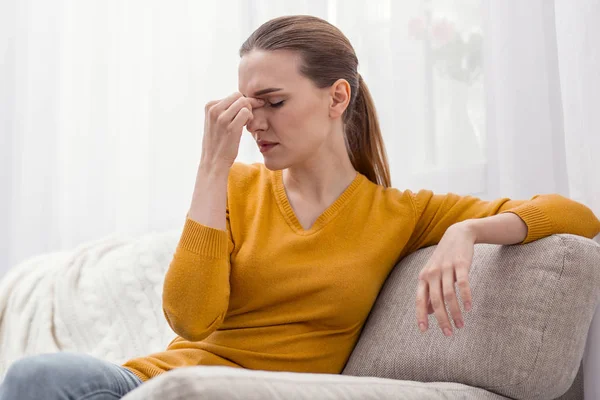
(220, 383)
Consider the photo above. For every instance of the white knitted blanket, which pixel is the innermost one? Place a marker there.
(103, 299)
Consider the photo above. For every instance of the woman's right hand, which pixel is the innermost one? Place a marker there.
(223, 125)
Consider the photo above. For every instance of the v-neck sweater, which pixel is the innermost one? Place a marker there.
(267, 294)
(330, 212)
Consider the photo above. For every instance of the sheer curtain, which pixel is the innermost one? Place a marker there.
(102, 104)
(543, 91)
(543, 97)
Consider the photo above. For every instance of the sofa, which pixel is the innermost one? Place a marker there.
(525, 337)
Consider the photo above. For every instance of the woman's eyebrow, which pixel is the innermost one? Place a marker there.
(265, 91)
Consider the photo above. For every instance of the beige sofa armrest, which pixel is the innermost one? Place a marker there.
(524, 338)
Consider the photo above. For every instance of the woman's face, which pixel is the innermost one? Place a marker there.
(294, 125)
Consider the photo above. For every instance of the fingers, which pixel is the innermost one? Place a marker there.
(439, 309)
(462, 280)
(256, 103)
(422, 301)
(241, 119)
(435, 289)
(450, 296)
(243, 102)
(215, 109)
(447, 268)
(223, 126)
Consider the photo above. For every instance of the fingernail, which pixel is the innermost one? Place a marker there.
(459, 323)
(422, 327)
(468, 306)
(447, 332)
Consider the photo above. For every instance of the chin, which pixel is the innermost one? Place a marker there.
(275, 164)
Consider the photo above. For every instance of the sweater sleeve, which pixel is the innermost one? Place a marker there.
(196, 287)
(544, 215)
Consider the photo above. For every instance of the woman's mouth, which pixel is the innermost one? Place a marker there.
(265, 146)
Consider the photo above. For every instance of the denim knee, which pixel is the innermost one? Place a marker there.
(66, 375)
(27, 374)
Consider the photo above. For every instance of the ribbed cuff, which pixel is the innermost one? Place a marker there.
(203, 240)
(538, 224)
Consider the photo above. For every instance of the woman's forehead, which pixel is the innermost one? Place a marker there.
(261, 70)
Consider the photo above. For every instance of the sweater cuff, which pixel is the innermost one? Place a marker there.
(538, 224)
(203, 240)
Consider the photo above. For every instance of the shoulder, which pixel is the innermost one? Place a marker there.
(392, 201)
(391, 196)
(248, 177)
(241, 173)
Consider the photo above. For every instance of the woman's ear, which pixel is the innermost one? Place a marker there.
(339, 93)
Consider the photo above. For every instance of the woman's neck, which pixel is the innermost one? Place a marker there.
(322, 180)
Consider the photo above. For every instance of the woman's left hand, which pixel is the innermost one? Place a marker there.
(450, 262)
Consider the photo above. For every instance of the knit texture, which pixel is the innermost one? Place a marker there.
(268, 294)
(102, 298)
(524, 338)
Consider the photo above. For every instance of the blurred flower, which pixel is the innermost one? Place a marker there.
(416, 28)
(443, 31)
(455, 55)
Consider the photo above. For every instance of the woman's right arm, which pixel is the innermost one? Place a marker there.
(196, 287)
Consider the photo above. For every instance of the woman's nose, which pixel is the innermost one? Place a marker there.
(258, 121)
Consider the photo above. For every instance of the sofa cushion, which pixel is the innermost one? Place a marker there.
(220, 383)
(524, 337)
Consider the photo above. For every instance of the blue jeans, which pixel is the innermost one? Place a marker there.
(66, 376)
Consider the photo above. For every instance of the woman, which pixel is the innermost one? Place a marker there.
(279, 264)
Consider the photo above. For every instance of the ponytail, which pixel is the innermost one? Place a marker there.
(363, 138)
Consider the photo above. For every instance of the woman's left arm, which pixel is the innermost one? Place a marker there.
(524, 222)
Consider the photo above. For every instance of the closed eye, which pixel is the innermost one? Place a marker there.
(276, 105)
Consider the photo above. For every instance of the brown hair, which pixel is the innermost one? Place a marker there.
(327, 56)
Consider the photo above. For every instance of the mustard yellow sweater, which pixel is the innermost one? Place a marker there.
(267, 294)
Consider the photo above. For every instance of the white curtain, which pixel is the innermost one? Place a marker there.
(543, 88)
(101, 103)
(543, 99)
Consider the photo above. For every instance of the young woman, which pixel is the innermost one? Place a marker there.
(280, 263)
